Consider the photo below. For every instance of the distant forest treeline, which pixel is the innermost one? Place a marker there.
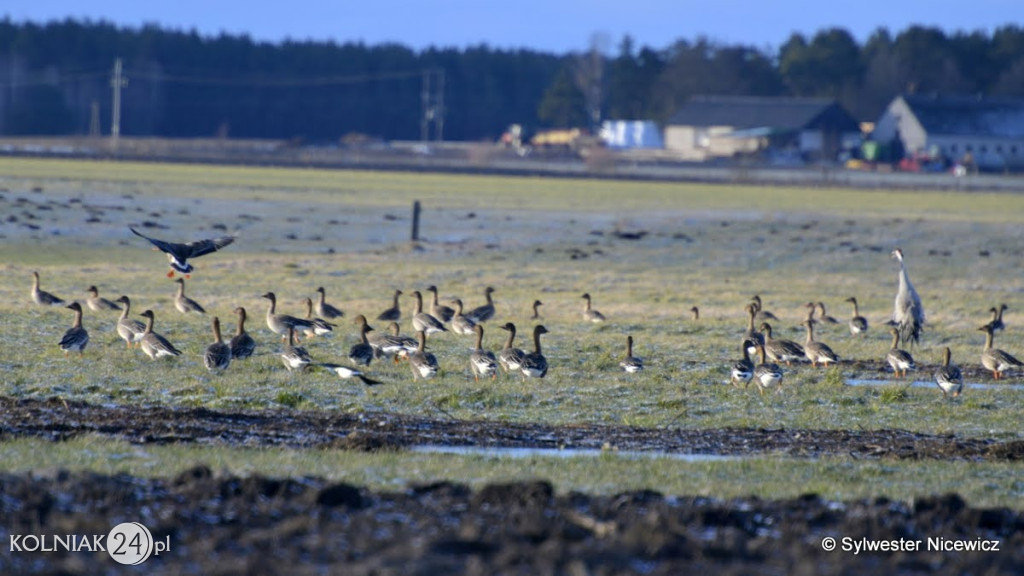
(56, 79)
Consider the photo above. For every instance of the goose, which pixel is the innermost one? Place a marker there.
(743, 370)
(536, 312)
(812, 309)
(908, 313)
(129, 329)
(762, 315)
(510, 358)
(825, 318)
(696, 313)
(997, 318)
(325, 310)
(242, 344)
(439, 311)
(318, 326)
(858, 324)
(294, 357)
(394, 313)
(362, 353)
(346, 372)
(42, 297)
(900, 360)
(817, 352)
(98, 303)
(75, 338)
(766, 375)
(391, 344)
(630, 363)
(178, 254)
(483, 313)
(461, 324)
(534, 364)
(779, 349)
(589, 314)
(218, 355)
(153, 344)
(183, 303)
(948, 376)
(423, 363)
(752, 335)
(482, 362)
(994, 359)
(280, 323)
(423, 321)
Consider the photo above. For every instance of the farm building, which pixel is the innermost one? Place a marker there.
(990, 130)
(726, 126)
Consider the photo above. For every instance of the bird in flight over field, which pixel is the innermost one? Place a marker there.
(178, 254)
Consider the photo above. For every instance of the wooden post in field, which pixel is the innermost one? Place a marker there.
(415, 220)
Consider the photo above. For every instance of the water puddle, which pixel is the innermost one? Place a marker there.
(927, 384)
(506, 452)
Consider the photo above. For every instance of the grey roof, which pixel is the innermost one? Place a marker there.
(749, 112)
(968, 115)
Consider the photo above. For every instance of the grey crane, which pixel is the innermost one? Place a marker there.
(908, 313)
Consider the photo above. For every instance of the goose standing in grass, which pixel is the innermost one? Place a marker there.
(743, 370)
(280, 323)
(218, 355)
(696, 313)
(461, 324)
(997, 318)
(129, 329)
(589, 314)
(817, 352)
(536, 310)
(154, 344)
(98, 303)
(325, 310)
(858, 324)
(994, 359)
(766, 375)
(752, 335)
(948, 376)
(294, 357)
(42, 297)
(178, 254)
(242, 344)
(318, 326)
(362, 353)
(439, 311)
(510, 358)
(761, 315)
(423, 321)
(780, 349)
(482, 362)
(423, 363)
(483, 313)
(75, 338)
(825, 318)
(183, 303)
(534, 364)
(908, 313)
(631, 363)
(346, 372)
(391, 344)
(393, 314)
(900, 360)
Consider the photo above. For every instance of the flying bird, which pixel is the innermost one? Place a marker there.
(908, 313)
(178, 254)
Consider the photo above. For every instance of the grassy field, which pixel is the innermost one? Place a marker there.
(530, 238)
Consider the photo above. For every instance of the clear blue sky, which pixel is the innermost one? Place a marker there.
(548, 25)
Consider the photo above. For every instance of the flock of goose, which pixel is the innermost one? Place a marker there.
(905, 327)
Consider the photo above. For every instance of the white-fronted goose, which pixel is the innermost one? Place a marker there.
(589, 314)
(75, 338)
(858, 324)
(439, 311)
(461, 324)
(183, 303)
(817, 352)
(900, 360)
(98, 303)
(482, 362)
(743, 370)
(780, 349)
(483, 313)
(280, 323)
(766, 375)
(393, 314)
(825, 318)
(318, 326)
(908, 313)
(242, 344)
(631, 363)
(696, 313)
(994, 359)
(752, 335)
(534, 364)
(129, 329)
(536, 310)
(325, 310)
(761, 315)
(423, 321)
(154, 344)
(948, 376)
(423, 363)
(42, 297)
(294, 357)
(346, 372)
(361, 353)
(218, 355)
(997, 318)
(178, 254)
(391, 344)
(510, 358)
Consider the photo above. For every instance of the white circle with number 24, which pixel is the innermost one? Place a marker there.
(130, 543)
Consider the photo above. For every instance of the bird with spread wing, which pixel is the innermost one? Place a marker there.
(178, 254)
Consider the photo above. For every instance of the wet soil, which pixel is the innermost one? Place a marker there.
(58, 420)
(257, 525)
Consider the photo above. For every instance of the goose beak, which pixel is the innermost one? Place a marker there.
(170, 274)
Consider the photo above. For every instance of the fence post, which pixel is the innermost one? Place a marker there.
(415, 220)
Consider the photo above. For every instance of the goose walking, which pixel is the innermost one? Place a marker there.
(423, 363)
(948, 376)
(318, 326)
(461, 324)
(218, 355)
(817, 352)
(280, 323)
(510, 357)
(766, 375)
(483, 313)
(589, 314)
(178, 254)
(534, 364)
(482, 362)
(439, 311)
(346, 372)
(780, 349)
(743, 370)
(154, 344)
(362, 353)
(42, 297)
(858, 324)
(325, 310)
(630, 363)
(183, 303)
(393, 314)
(994, 359)
(423, 321)
(242, 345)
(294, 357)
(900, 360)
(908, 313)
(98, 303)
(75, 338)
(129, 329)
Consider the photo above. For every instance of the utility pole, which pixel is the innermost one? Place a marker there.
(117, 82)
(94, 119)
(425, 106)
(432, 103)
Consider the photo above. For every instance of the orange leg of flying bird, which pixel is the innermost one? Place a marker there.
(188, 276)
(170, 274)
